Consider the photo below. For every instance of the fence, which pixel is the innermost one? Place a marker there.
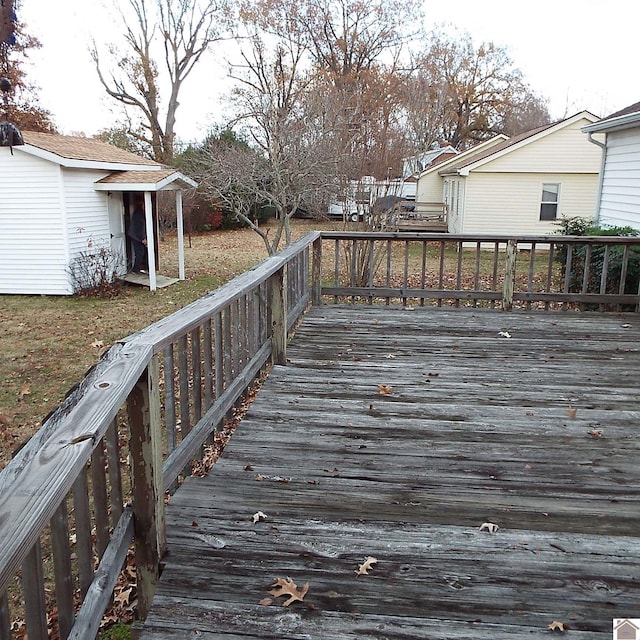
(95, 475)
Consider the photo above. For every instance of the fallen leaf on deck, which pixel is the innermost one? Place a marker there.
(595, 433)
(385, 389)
(363, 569)
(571, 412)
(259, 477)
(504, 334)
(259, 516)
(389, 356)
(558, 626)
(265, 602)
(288, 587)
(626, 326)
(489, 526)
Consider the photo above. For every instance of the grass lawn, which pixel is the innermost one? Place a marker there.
(47, 343)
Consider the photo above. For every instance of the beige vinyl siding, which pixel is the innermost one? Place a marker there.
(510, 203)
(429, 187)
(564, 151)
(620, 199)
(33, 255)
(87, 216)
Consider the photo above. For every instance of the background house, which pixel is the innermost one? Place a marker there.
(618, 201)
(61, 195)
(520, 185)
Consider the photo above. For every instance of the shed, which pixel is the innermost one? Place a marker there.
(618, 201)
(523, 184)
(62, 196)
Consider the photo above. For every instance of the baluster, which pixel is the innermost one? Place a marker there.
(196, 373)
(169, 397)
(423, 271)
(476, 275)
(550, 265)
(82, 518)
(388, 278)
(100, 500)
(115, 474)
(532, 262)
(494, 273)
(35, 604)
(5, 618)
(441, 272)
(62, 569)
(459, 272)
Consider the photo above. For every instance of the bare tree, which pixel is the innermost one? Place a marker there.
(291, 158)
(469, 93)
(186, 29)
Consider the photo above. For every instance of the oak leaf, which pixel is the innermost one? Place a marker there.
(595, 433)
(385, 389)
(98, 344)
(571, 412)
(287, 587)
(259, 516)
(489, 526)
(504, 334)
(558, 626)
(363, 569)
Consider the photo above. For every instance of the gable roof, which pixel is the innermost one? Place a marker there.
(70, 151)
(511, 144)
(446, 159)
(166, 178)
(626, 118)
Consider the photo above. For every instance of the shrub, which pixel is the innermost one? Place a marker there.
(589, 262)
(94, 272)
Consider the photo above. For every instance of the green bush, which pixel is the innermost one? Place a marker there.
(589, 263)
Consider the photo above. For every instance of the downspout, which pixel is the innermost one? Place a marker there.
(603, 146)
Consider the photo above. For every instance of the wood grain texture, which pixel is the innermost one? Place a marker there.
(536, 433)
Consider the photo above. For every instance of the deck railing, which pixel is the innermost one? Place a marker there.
(93, 479)
(547, 272)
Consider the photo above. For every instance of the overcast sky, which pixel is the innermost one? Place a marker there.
(580, 54)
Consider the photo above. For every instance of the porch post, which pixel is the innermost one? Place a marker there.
(180, 224)
(151, 243)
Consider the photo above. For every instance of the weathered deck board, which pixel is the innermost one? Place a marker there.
(478, 428)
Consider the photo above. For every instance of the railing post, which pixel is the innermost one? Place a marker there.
(509, 275)
(143, 406)
(316, 273)
(277, 314)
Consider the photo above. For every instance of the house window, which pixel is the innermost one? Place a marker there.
(549, 205)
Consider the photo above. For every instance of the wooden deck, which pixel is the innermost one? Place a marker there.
(536, 432)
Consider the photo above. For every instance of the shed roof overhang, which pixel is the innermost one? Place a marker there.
(164, 180)
(619, 123)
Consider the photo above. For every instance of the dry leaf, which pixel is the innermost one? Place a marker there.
(489, 526)
(25, 391)
(504, 334)
(265, 602)
(260, 477)
(363, 569)
(389, 356)
(595, 433)
(98, 344)
(571, 412)
(385, 390)
(259, 516)
(558, 626)
(626, 326)
(288, 587)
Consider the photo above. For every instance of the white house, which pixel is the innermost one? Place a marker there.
(520, 185)
(618, 201)
(61, 196)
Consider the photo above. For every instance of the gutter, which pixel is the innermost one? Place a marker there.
(603, 146)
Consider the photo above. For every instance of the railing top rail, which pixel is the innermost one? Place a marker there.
(167, 329)
(479, 237)
(41, 474)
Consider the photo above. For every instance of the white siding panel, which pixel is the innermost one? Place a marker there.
(566, 150)
(87, 213)
(620, 199)
(33, 256)
(510, 204)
